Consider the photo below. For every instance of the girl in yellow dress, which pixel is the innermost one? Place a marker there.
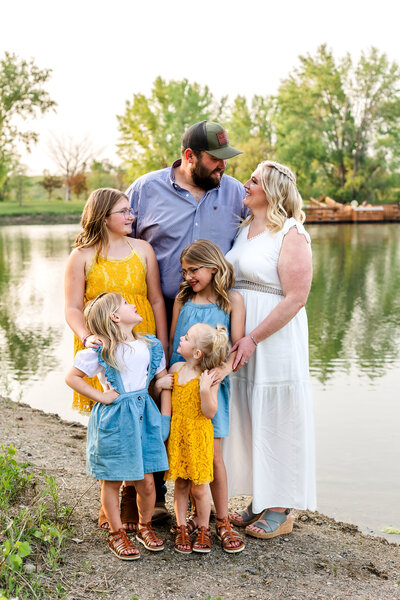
(191, 441)
(104, 259)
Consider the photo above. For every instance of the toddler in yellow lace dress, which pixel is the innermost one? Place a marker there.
(191, 441)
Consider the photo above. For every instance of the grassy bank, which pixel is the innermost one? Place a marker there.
(40, 212)
(33, 531)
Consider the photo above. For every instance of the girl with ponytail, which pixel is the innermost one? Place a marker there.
(191, 441)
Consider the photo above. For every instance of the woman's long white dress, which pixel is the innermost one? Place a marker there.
(269, 453)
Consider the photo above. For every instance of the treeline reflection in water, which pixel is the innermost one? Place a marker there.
(353, 308)
(354, 304)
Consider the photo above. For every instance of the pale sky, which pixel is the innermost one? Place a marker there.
(102, 53)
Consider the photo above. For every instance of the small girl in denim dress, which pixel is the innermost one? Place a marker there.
(126, 432)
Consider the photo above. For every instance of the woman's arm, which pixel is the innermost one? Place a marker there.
(175, 315)
(74, 379)
(154, 294)
(295, 274)
(208, 394)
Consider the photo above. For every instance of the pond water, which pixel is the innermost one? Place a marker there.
(354, 320)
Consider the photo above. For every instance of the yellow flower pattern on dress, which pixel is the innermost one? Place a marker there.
(127, 276)
(191, 441)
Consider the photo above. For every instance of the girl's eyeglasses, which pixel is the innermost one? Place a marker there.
(127, 212)
(191, 272)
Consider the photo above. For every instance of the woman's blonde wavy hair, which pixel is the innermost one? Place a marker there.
(97, 315)
(283, 198)
(204, 253)
(213, 343)
(93, 221)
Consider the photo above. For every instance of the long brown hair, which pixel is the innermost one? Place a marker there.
(93, 222)
(204, 253)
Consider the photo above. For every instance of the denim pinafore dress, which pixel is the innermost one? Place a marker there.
(124, 439)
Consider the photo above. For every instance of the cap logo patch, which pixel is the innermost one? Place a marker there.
(222, 138)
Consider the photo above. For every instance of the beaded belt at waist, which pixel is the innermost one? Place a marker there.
(257, 287)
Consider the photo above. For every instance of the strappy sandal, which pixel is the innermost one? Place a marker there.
(247, 515)
(122, 546)
(129, 511)
(103, 521)
(146, 535)
(190, 524)
(182, 538)
(227, 536)
(272, 524)
(202, 542)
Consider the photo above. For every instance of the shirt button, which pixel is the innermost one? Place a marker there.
(139, 397)
(187, 195)
(141, 418)
(196, 224)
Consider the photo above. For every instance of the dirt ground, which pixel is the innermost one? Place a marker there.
(320, 559)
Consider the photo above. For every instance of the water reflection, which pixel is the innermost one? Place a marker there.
(31, 319)
(354, 304)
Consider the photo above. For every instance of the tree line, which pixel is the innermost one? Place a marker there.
(334, 121)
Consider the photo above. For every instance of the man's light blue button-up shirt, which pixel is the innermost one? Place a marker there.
(169, 218)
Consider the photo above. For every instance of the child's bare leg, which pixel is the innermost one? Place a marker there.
(129, 511)
(110, 503)
(219, 487)
(203, 504)
(219, 491)
(181, 495)
(146, 499)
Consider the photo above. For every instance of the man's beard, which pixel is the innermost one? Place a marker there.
(203, 179)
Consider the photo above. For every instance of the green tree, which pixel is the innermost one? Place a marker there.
(338, 125)
(250, 130)
(50, 183)
(151, 128)
(21, 96)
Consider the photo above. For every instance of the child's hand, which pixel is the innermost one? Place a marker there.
(108, 397)
(207, 380)
(164, 383)
(220, 373)
(91, 341)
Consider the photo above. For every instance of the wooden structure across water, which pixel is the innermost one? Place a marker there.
(327, 210)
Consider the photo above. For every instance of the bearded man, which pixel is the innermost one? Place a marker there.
(188, 201)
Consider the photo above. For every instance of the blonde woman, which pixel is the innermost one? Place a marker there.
(104, 259)
(269, 454)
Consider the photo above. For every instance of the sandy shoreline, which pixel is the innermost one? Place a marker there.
(321, 559)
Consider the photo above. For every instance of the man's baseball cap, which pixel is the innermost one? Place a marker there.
(211, 138)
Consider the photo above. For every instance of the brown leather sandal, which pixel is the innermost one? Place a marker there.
(227, 536)
(182, 538)
(122, 546)
(146, 535)
(103, 521)
(202, 542)
(129, 511)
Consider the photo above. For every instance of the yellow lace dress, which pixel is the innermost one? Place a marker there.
(191, 441)
(127, 276)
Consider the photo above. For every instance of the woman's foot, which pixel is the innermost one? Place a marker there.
(242, 518)
(271, 524)
(103, 521)
(129, 511)
(231, 541)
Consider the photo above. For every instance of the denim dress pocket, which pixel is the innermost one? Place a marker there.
(108, 434)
